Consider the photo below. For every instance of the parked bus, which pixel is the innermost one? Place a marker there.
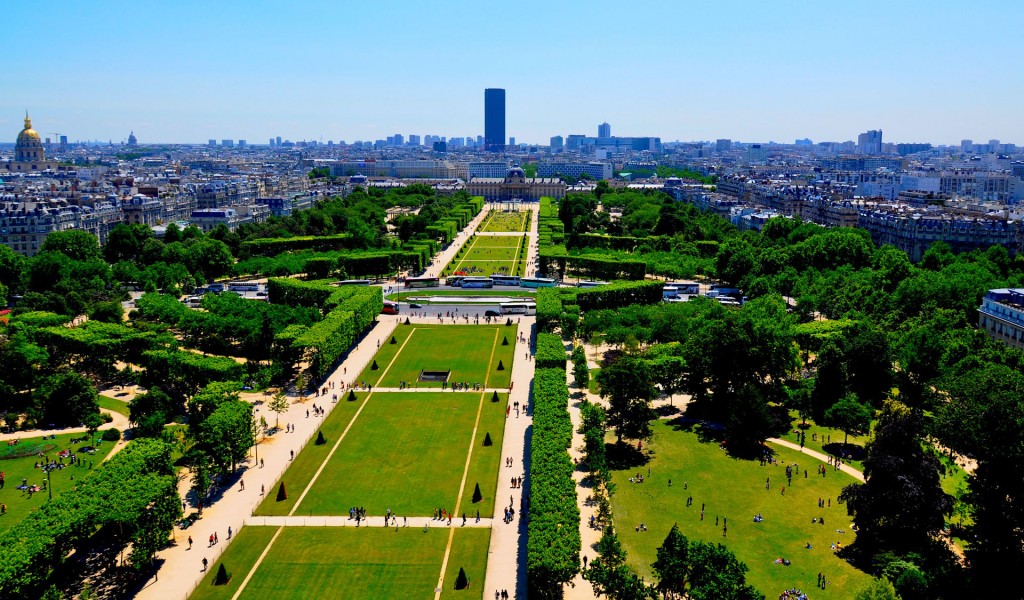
(505, 280)
(477, 282)
(518, 308)
(353, 282)
(454, 280)
(686, 288)
(537, 282)
(669, 291)
(422, 282)
(592, 284)
(243, 286)
(193, 301)
(390, 308)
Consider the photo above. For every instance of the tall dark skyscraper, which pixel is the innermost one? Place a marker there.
(494, 120)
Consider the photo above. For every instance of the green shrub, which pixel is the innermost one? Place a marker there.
(282, 495)
(111, 435)
(223, 577)
(320, 440)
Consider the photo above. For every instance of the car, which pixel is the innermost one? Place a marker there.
(414, 305)
(491, 313)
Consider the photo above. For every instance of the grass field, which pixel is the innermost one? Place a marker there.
(19, 503)
(471, 352)
(502, 222)
(827, 439)
(489, 255)
(735, 489)
(420, 467)
(118, 406)
(343, 563)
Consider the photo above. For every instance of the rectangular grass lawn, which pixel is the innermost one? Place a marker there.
(407, 451)
(350, 563)
(502, 222)
(486, 255)
(471, 352)
(301, 471)
(16, 466)
(735, 489)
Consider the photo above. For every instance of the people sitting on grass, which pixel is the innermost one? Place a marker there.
(758, 518)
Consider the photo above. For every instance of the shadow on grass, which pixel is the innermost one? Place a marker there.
(847, 451)
(622, 456)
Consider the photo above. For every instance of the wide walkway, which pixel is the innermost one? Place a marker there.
(371, 521)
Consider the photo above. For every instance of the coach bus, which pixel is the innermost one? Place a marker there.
(505, 280)
(454, 280)
(390, 308)
(243, 286)
(518, 308)
(422, 282)
(353, 282)
(476, 282)
(591, 284)
(537, 282)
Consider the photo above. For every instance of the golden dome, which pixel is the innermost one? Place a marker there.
(28, 134)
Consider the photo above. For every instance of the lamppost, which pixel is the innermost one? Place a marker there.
(49, 487)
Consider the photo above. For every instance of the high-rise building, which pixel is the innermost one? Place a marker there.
(870, 142)
(414, 140)
(557, 144)
(272, 141)
(211, 143)
(604, 130)
(278, 140)
(494, 120)
(723, 145)
(966, 146)
(512, 141)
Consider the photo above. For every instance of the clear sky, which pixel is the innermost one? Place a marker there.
(187, 71)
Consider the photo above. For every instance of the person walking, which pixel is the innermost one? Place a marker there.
(189, 542)
(205, 563)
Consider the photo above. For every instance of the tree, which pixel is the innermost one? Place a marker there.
(901, 505)
(76, 244)
(279, 405)
(65, 400)
(609, 575)
(880, 588)
(227, 434)
(716, 574)
(627, 385)
(673, 563)
(850, 416)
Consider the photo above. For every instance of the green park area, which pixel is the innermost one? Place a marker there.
(429, 437)
(490, 255)
(505, 222)
(350, 563)
(473, 354)
(737, 490)
(19, 464)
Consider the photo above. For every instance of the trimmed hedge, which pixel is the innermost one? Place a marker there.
(553, 534)
(557, 262)
(273, 246)
(550, 352)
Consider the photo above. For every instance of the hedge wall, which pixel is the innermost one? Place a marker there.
(554, 262)
(553, 534)
(550, 352)
(549, 308)
(272, 246)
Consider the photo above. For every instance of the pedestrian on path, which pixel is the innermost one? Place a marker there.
(205, 563)
(189, 542)
(241, 482)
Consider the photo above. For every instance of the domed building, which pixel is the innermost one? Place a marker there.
(29, 154)
(515, 186)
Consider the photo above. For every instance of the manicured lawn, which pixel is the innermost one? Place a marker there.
(349, 562)
(301, 471)
(407, 452)
(118, 406)
(823, 439)
(735, 489)
(498, 222)
(470, 352)
(19, 503)
(487, 255)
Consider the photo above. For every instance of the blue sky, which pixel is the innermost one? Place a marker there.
(187, 71)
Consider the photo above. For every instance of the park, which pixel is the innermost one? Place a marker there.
(490, 255)
(396, 445)
(506, 222)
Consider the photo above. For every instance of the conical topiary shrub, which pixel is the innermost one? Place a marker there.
(461, 582)
(351, 396)
(508, 322)
(223, 577)
(501, 366)
(487, 439)
(374, 366)
(407, 320)
(393, 340)
(504, 341)
(494, 396)
(477, 496)
(281, 494)
(320, 440)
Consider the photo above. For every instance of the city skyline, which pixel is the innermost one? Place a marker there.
(751, 72)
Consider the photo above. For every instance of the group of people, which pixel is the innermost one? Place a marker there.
(461, 386)
(517, 483)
